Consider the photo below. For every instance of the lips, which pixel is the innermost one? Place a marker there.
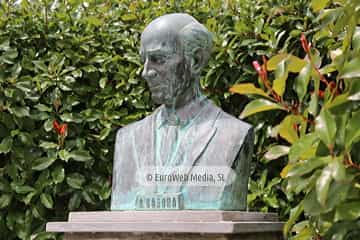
(155, 88)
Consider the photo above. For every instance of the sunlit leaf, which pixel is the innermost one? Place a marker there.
(276, 152)
(75, 180)
(259, 105)
(46, 200)
(43, 163)
(348, 211)
(281, 75)
(322, 185)
(351, 69)
(352, 133)
(5, 145)
(248, 88)
(302, 81)
(288, 128)
(304, 148)
(304, 167)
(318, 5)
(326, 127)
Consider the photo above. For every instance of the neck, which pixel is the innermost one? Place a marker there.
(184, 108)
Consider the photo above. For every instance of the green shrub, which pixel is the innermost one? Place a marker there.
(70, 77)
(316, 102)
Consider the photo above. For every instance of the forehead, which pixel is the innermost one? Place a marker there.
(159, 39)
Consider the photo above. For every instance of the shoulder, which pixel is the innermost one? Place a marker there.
(227, 122)
(136, 127)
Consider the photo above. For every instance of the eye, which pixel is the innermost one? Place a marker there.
(158, 59)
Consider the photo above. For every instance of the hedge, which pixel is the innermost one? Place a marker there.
(70, 77)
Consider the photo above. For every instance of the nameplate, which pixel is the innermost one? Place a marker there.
(174, 201)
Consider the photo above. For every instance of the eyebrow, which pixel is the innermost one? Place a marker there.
(160, 50)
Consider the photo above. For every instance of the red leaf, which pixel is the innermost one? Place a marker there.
(257, 67)
(63, 130)
(265, 63)
(56, 126)
(304, 43)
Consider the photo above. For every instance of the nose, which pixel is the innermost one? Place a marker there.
(148, 73)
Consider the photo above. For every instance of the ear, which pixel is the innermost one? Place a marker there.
(197, 62)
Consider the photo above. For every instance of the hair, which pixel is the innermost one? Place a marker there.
(195, 39)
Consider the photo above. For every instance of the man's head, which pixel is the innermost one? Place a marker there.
(174, 49)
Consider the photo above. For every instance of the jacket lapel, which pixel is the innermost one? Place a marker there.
(199, 136)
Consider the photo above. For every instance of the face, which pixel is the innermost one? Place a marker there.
(164, 66)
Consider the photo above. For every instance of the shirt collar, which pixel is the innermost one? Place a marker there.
(181, 116)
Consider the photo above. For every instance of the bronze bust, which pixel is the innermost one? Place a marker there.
(187, 130)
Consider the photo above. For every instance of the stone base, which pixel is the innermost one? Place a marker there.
(169, 225)
(171, 236)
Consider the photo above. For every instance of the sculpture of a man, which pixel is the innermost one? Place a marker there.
(187, 130)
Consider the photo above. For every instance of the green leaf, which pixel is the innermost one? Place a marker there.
(348, 211)
(20, 111)
(27, 199)
(352, 132)
(48, 125)
(247, 88)
(21, 189)
(58, 174)
(304, 167)
(75, 180)
(5, 145)
(259, 105)
(40, 65)
(318, 5)
(44, 236)
(64, 155)
(304, 148)
(338, 192)
(326, 127)
(338, 171)
(94, 21)
(313, 105)
(5, 45)
(80, 155)
(354, 97)
(311, 205)
(43, 108)
(102, 82)
(74, 201)
(276, 151)
(43, 163)
(275, 60)
(104, 133)
(294, 215)
(46, 200)
(48, 145)
(338, 101)
(322, 185)
(281, 75)
(128, 17)
(294, 64)
(10, 54)
(351, 69)
(5, 200)
(287, 130)
(302, 81)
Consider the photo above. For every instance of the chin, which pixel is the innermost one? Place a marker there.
(160, 99)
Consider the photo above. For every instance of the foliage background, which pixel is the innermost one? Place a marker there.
(77, 62)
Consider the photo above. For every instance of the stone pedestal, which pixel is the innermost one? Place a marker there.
(169, 225)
